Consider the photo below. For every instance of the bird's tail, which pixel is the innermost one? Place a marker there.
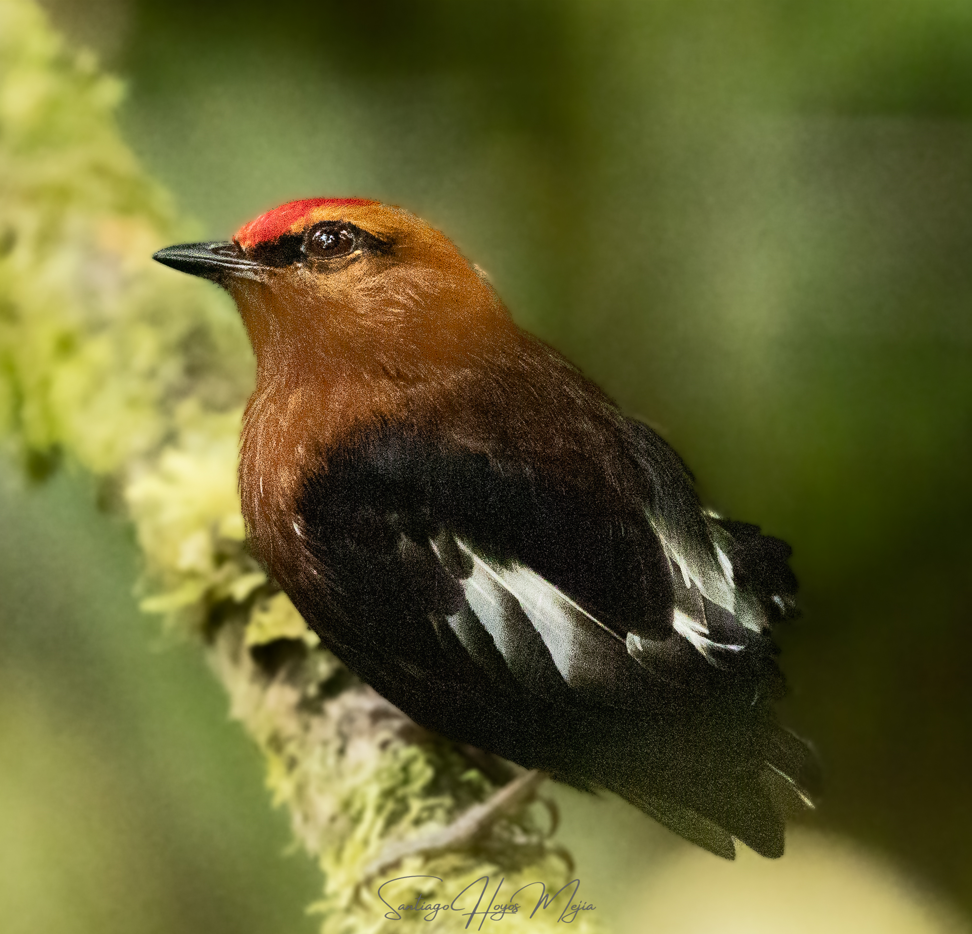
(792, 769)
(748, 803)
(685, 822)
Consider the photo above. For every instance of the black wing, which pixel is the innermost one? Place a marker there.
(609, 642)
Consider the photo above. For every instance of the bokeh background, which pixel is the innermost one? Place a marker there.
(749, 222)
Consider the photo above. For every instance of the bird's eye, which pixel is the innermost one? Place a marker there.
(328, 241)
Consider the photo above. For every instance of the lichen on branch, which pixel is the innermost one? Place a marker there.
(139, 376)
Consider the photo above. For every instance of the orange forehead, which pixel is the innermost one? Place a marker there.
(289, 217)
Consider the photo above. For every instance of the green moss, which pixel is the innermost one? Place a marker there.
(137, 375)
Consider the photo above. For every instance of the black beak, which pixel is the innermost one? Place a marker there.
(215, 260)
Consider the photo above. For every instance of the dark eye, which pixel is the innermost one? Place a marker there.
(328, 241)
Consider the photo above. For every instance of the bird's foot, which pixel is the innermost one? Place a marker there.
(465, 830)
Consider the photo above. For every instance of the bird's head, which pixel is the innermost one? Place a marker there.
(345, 282)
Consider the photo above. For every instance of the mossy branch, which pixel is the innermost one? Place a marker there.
(139, 376)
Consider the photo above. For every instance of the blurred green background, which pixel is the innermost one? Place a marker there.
(748, 221)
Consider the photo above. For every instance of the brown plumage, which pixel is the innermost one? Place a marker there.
(479, 533)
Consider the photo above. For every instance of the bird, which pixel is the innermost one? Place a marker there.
(479, 532)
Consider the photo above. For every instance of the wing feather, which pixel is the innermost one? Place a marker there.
(519, 627)
(501, 617)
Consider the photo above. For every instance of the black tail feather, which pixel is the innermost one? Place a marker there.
(711, 818)
(688, 824)
(795, 762)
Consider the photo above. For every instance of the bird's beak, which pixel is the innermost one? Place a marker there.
(216, 260)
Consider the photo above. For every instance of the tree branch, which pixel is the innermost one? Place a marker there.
(139, 376)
